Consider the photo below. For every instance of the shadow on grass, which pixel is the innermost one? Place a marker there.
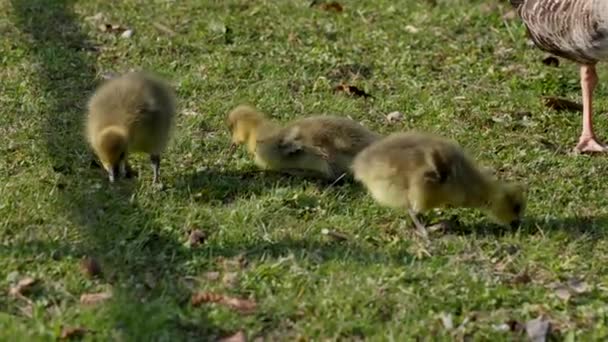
(573, 227)
(122, 234)
(228, 186)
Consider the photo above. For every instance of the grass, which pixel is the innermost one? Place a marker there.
(459, 75)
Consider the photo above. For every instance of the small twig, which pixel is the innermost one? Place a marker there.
(337, 180)
(164, 29)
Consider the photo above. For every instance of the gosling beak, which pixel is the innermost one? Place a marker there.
(515, 224)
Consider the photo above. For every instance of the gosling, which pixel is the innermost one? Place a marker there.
(318, 146)
(420, 171)
(130, 113)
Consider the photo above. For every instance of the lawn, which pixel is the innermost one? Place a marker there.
(454, 67)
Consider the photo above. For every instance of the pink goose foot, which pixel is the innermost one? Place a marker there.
(590, 145)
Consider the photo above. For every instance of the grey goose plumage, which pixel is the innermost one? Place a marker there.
(576, 30)
(573, 29)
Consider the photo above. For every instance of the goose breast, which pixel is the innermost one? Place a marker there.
(572, 29)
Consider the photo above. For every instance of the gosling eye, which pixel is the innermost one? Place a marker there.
(517, 209)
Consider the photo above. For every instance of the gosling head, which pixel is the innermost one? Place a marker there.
(243, 122)
(112, 151)
(508, 203)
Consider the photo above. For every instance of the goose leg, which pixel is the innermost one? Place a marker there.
(588, 142)
(419, 225)
(155, 161)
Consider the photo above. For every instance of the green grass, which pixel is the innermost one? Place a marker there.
(464, 68)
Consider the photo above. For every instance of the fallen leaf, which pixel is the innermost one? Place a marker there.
(560, 104)
(196, 237)
(72, 332)
(239, 336)
(334, 234)
(95, 298)
(150, 280)
(244, 306)
(90, 267)
(446, 320)
(327, 6)
(394, 117)
(537, 329)
(293, 38)
(509, 15)
(443, 225)
(127, 34)
(199, 298)
(411, 29)
(112, 28)
(230, 279)
(164, 29)
(551, 61)
(332, 6)
(97, 17)
(236, 262)
(578, 286)
(501, 327)
(351, 90)
(521, 278)
(515, 326)
(562, 292)
(22, 287)
(214, 275)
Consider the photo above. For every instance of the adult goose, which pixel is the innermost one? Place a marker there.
(576, 30)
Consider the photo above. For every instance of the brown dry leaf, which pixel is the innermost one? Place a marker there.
(293, 38)
(212, 276)
(328, 6)
(411, 29)
(112, 28)
(521, 278)
(72, 332)
(509, 15)
(150, 280)
(97, 17)
(515, 326)
(21, 288)
(560, 104)
(237, 262)
(537, 329)
(199, 298)
(551, 61)
(444, 225)
(244, 306)
(394, 117)
(562, 292)
(230, 279)
(578, 286)
(95, 298)
(90, 267)
(332, 6)
(351, 90)
(196, 237)
(239, 336)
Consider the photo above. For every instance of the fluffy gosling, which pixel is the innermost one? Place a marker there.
(318, 146)
(420, 171)
(130, 113)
